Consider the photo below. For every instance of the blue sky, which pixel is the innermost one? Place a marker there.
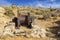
(41, 3)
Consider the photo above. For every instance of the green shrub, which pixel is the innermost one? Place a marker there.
(53, 15)
(46, 16)
(32, 11)
(37, 13)
(9, 13)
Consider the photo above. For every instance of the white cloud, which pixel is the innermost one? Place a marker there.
(40, 5)
(55, 5)
(52, 0)
(47, 5)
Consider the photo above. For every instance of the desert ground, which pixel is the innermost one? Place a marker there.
(37, 12)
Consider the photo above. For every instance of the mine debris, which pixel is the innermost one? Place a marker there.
(23, 20)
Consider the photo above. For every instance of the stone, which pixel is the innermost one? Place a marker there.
(28, 35)
(42, 32)
(8, 31)
(38, 31)
(20, 32)
(35, 33)
(35, 27)
(11, 25)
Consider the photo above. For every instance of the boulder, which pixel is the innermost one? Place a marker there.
(8, 31)
(38, 31)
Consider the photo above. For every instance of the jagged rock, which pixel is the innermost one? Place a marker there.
(27, 35)
(8, 31)
(38, 31)
(35, 33)
(20, 32)
(36, 27)
(10, 25)
(42, 32)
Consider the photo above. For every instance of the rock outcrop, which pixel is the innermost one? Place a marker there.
(35, 32)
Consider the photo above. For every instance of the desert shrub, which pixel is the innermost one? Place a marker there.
(54, 18)
(40, 18)
(37, 13)
(32, 11)
(52, 9)
(53, 15)
(9, 13)
(46, 16)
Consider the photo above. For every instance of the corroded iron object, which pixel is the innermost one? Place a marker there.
(23, 20)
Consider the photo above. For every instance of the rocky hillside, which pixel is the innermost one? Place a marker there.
(34, 10)
(3, 18)
(45, 17)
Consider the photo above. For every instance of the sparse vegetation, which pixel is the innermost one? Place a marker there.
(13, 6)
(46, 15)
(53, 15)
(38, 13)
(9, 13)
(51, 9)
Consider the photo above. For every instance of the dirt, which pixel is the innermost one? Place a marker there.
(42, 24)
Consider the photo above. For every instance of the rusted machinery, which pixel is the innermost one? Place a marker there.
(23, 20)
